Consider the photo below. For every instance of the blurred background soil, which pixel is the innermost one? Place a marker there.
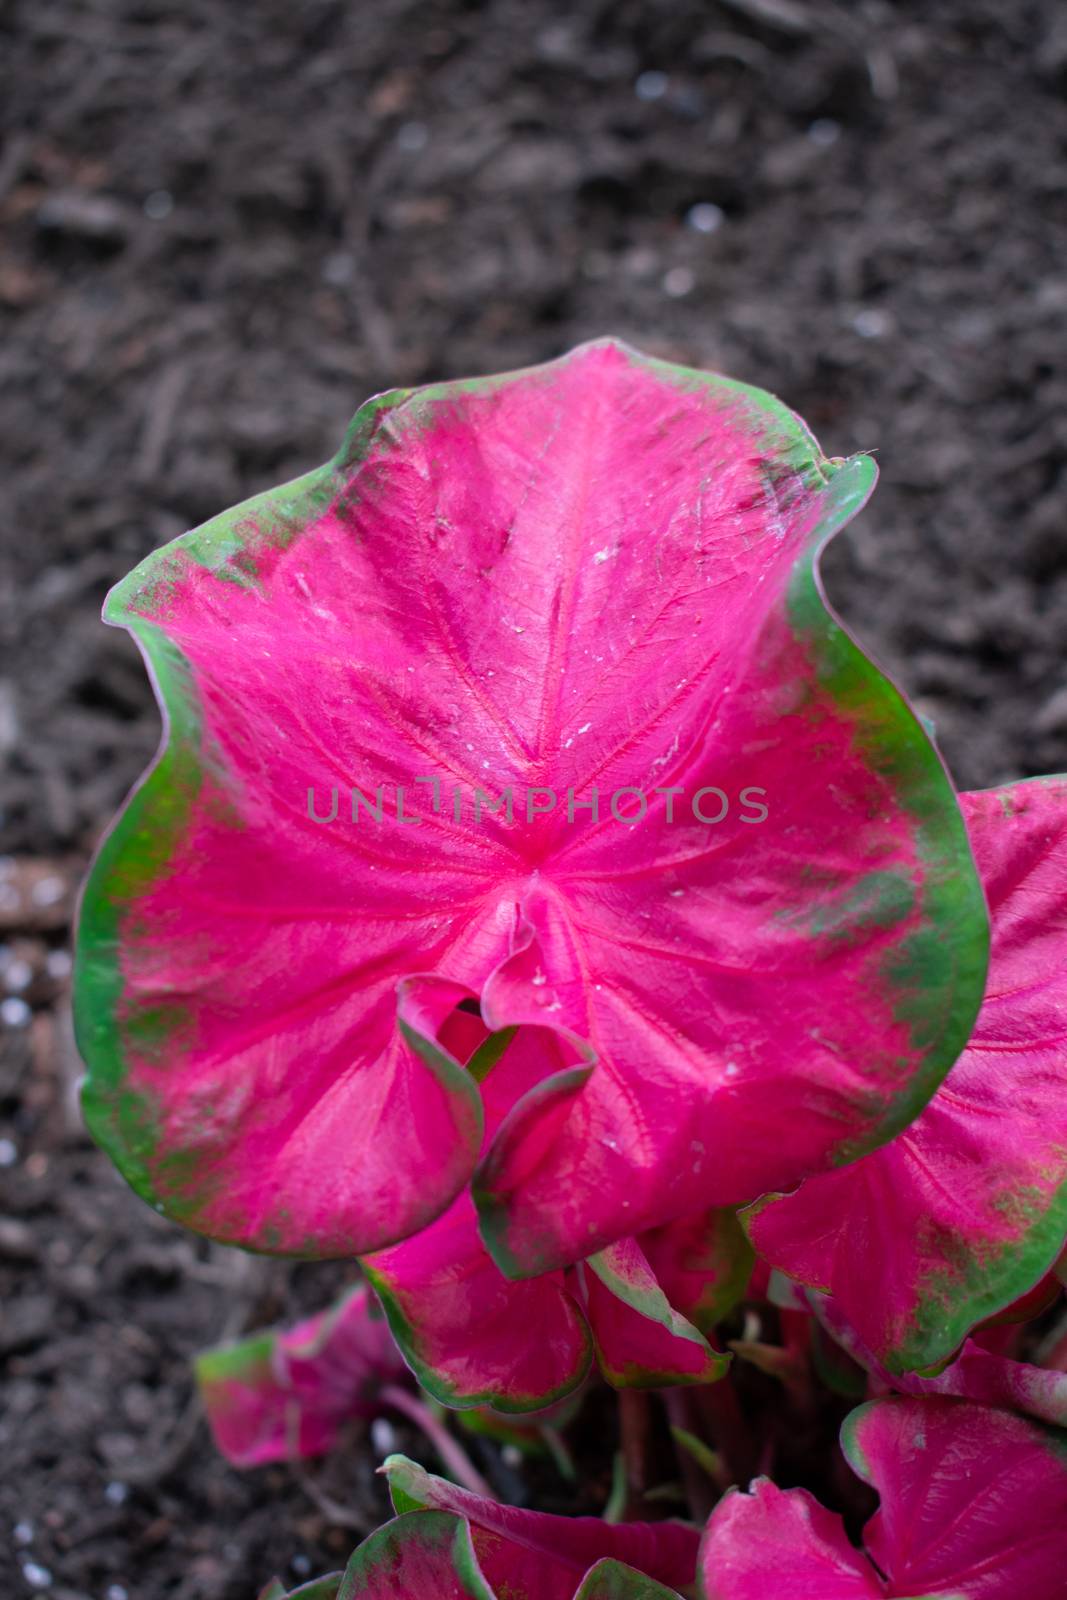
(222, 226)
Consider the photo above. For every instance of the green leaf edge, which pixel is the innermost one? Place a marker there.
(655, 1307)
(418, 1527)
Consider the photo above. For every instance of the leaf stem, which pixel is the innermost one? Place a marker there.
(453, 1456)
(635, 1427)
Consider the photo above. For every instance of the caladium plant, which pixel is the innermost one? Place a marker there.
(534, 874)
(759, 944)
(967, 1209)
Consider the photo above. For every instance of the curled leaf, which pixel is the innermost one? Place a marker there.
(641, 1341)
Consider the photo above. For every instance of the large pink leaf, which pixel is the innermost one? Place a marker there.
(781, 1544)
(285, 1395)
(641, 1340)
(967, 1209)
(529, 1555)
(599, 573)
(973, 1500)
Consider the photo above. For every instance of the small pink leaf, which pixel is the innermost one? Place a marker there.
(602, 573)
(702, 1263)
(784, 1544)
(528, 1555)
(966, 1209)
(423, 1555)
(284, 1396)
(641, 1341)
(471, 1336)
(973, 1500)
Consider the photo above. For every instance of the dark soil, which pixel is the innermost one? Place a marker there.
(223, 226)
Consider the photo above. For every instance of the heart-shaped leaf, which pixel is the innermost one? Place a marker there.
(528, 1555)
(967, 1209)
(284, 1395)
(641, 1341)
(599, 575)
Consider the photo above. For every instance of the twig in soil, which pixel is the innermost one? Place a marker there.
(159, 420)
(332, 1510)
(783, 14)
(453, 1456)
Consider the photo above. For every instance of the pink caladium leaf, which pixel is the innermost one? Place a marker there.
(979, 1374)
(973, 1504)
(284, 1395)
(439, 1555)
(726, 866)
(471, 1336)
(782, 1543)
(530, 1555)
(423, 1555)
(641, 1341)
(973, 1501)
(703, 1264)
(611, 1580)
(967, 1209)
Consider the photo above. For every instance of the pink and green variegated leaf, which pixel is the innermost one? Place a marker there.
(529, 1555)
(610, 1580)
(702, 1263)
(601, 573)
(284, 1395)
(966, 1210)
(471, 1336)
(781, 1543)
(641, 1341)
(977, 1374)
(422, 1555)
(973, 1500)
